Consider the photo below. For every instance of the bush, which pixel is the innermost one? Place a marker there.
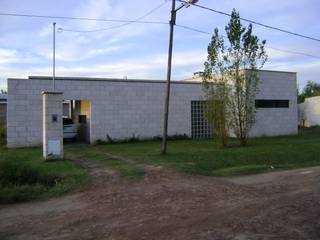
(13, 173)
(135, 139)
(20, 193)
(24, 176)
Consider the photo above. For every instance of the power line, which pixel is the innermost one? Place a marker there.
(256, 23)
(123, 24)
(273, 48)
(193, 29)
(133, 21)
(79, 18)
(294, 52)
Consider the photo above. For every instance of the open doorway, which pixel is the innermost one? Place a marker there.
(77, 121)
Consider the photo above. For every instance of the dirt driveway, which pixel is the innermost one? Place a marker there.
(168, 205)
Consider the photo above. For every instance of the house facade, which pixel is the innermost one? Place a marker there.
(122, 108)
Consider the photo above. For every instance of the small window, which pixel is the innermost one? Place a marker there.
(67, 121)
(271, 103)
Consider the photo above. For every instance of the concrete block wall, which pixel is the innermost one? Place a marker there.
(123, 108)
(119, 108)
(277, 121)
(52, 134)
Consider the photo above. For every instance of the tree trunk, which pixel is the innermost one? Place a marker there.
(243, 141)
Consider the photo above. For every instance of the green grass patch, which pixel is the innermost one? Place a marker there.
(125, 169)
(25, 176)
(203, 157)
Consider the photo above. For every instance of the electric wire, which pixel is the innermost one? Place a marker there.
(273, 48)
(80, 18)
(255, 22)
(120, 25)
(138, 20)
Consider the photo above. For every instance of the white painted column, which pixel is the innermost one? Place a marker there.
(52, 125)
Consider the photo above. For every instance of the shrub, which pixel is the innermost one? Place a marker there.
(135, 139)
(20, 193)
(13, 173)
(24, 176)
(178, 137)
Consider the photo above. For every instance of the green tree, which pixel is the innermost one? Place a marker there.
(231, 76)
(312, 89)
(216, 88)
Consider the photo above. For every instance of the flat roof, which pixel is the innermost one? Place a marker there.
(314, 97)
(104, 79)
(185, 81)
(266, 70)
(3, 97)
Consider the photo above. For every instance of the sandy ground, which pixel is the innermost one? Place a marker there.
(165, 204)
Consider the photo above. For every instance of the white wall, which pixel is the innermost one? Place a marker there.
(309, 112)
(118, 108)
(121, 108)
(277, 121)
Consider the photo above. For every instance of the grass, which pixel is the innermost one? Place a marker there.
(125, 169)
(203, 157)
(25, 176)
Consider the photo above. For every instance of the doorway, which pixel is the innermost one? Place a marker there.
(77, 121)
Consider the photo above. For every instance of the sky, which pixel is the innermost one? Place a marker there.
(140, 50)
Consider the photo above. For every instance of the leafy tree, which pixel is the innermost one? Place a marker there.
(231, 77)
(216, 88)
(312, 89)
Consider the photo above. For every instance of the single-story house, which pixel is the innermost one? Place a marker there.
(309, 112)
(122, 108)
(3, 107)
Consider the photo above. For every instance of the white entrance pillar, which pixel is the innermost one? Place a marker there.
(52, 125)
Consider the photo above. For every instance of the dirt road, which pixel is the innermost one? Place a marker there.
(168, 205)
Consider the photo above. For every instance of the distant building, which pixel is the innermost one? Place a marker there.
(309, 112)
(122, 108)
(3, 107)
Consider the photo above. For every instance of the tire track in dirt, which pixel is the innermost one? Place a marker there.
(165, 204)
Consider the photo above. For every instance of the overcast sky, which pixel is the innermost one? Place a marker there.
(140, 50)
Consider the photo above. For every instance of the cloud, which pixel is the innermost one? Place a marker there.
(11, 56)
(144, 67)
(140, 50)
(274, 54)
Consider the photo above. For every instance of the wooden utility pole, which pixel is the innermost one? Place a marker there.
(167, 100)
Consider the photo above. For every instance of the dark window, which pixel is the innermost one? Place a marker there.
(54, 118)
(67, 121)
(272, 103)
(199, 124)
